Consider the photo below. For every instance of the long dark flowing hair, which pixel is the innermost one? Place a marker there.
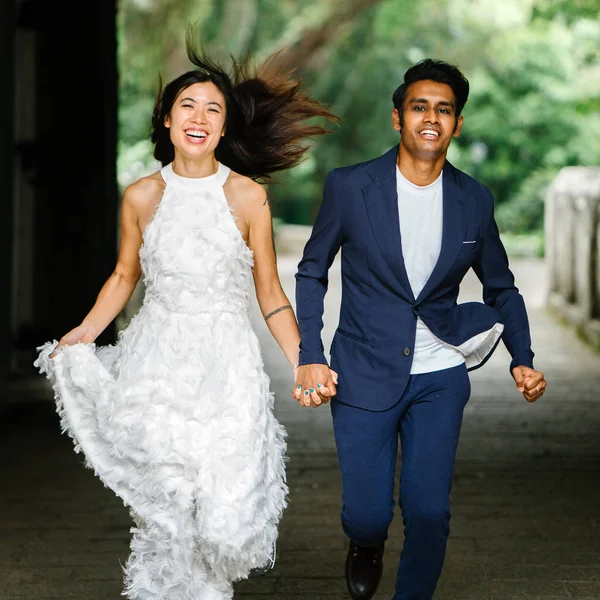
(266, 113)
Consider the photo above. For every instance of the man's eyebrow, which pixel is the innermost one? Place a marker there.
(425, 101)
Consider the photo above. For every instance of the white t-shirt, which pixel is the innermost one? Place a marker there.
(421, 216)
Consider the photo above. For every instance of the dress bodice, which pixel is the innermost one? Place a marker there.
(193, 256)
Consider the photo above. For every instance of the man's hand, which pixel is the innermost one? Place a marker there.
(530, 383)
(315, 385)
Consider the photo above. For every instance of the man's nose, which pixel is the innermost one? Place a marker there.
(431, 116)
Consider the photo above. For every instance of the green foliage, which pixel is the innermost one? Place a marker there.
(525, 211)
(134, 119)
(534, 68)
(527, 245)
(568, 9)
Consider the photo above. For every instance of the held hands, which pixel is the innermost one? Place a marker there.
(530, 383)
(315, 384)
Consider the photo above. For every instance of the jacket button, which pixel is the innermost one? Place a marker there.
(406, 351)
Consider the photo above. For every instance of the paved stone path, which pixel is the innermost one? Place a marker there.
(526, 497)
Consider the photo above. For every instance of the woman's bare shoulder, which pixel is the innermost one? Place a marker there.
(145, 191)
(244, 192)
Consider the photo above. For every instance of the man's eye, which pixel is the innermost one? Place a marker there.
(445, 111)
(419, 108)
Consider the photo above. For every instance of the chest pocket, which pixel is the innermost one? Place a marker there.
(472, 240)
(470, 245)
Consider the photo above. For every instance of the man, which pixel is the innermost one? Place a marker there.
(410, 226)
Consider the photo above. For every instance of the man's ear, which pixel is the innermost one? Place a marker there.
(396, 120)
(459, 124)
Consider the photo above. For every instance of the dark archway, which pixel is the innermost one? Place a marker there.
(58, 144)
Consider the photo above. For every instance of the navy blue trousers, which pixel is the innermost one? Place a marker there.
(427, 420)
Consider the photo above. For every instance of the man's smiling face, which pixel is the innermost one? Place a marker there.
(428, 121)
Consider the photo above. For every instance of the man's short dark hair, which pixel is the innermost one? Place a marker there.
(434, 70)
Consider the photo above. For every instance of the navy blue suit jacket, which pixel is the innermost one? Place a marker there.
(372, 347)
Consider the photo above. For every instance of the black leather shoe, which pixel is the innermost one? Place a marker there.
(363, 571)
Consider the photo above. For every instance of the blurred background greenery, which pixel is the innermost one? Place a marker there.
(533, 65)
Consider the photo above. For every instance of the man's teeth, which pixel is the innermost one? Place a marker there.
(429, 132)
(197, 134)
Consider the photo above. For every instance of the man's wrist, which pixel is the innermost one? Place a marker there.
(522, 361)
(316, 357)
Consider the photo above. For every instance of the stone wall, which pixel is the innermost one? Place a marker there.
(573, 249)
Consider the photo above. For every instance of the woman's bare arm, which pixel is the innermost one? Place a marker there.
(250, 202)
(138, 202)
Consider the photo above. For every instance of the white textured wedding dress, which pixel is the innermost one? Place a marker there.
(177, 418)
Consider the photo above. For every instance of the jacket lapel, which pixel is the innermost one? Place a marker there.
(454, 225)
(381, 200)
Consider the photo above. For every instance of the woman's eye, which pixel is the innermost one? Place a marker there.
(187, 106)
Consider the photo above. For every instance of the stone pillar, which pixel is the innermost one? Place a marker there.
(573, 248)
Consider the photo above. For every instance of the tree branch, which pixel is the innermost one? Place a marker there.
(302, 47)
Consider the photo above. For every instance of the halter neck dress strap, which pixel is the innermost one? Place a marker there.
(218, 178)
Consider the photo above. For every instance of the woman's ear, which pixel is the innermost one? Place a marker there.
(167, 122)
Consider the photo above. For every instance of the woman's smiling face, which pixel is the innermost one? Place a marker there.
(197, 120)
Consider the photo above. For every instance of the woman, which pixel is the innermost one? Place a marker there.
(177, 418)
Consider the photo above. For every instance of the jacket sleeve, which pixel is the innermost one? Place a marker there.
(500, 292)
(312, 277)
